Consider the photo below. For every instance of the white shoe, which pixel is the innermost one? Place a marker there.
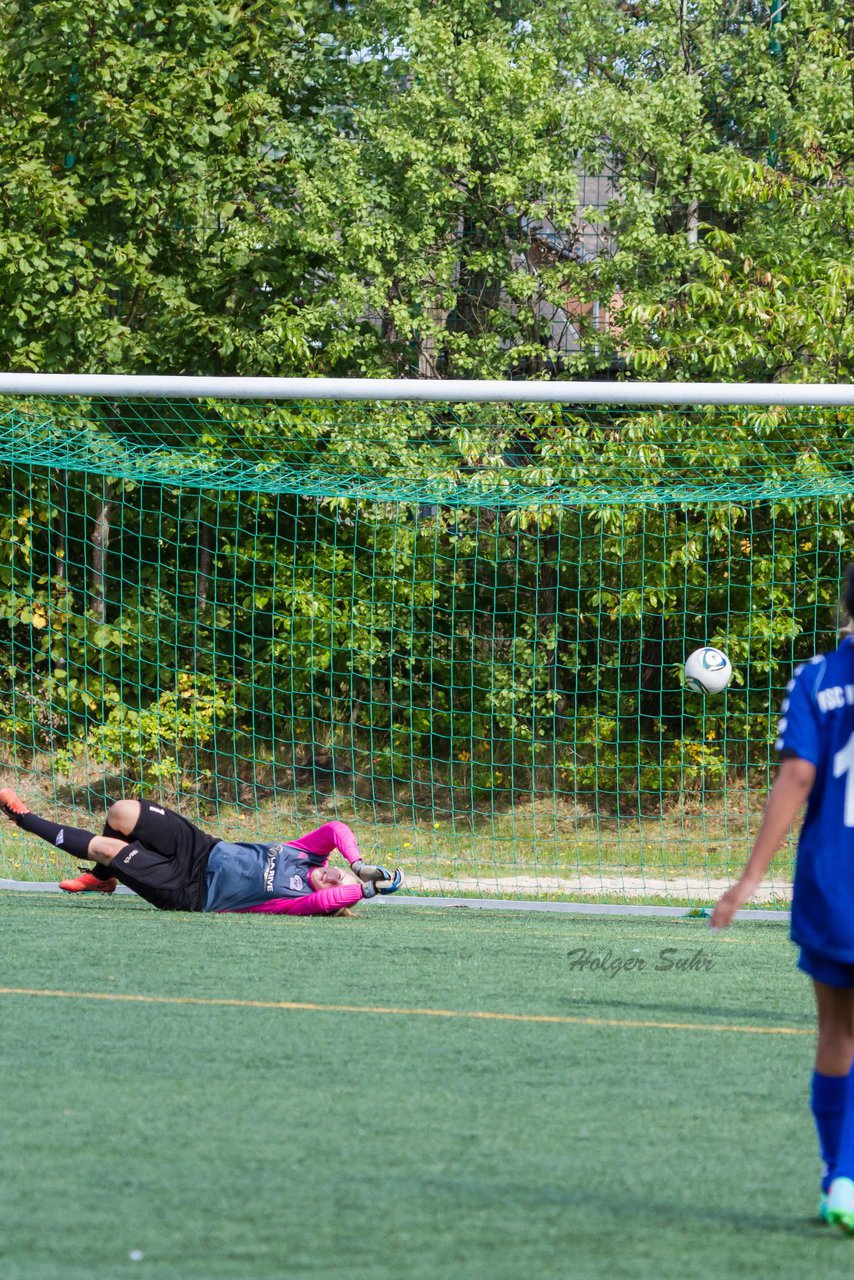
(840, 1204)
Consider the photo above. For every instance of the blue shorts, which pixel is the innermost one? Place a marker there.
(833, 973)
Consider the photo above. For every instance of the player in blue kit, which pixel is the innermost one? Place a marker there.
(816, 748)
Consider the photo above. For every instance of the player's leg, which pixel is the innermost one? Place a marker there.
(169, 882)
(164, 855)
(73, 840)
(98, 878)
(123, 818)
(833, 1094)
(170, 876)
(159, 828)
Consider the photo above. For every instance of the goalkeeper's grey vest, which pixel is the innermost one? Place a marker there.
(244, 875)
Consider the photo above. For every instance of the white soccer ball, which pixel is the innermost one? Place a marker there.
(708, 670)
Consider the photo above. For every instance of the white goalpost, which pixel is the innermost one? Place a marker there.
(453, 613)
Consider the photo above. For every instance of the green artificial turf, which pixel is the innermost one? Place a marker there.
(231, 1142)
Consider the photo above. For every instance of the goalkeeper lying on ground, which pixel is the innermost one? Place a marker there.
(176, 867)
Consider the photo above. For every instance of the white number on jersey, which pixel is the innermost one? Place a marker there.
(843, 762)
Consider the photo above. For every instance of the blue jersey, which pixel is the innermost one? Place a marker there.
(817, 724)
(244, 875)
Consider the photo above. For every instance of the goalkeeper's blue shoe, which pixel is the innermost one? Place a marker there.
(840, 1204)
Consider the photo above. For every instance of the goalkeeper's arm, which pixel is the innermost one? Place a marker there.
(324, 902)
(337, 835)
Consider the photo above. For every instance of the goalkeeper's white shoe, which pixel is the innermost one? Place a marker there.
(840, 1204)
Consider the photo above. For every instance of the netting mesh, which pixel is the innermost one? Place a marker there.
(465, 455)
(459, 628)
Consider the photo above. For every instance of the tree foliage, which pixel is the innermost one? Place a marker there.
(392, 187)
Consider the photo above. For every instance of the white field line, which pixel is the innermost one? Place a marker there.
(675, 886)
(628, 887)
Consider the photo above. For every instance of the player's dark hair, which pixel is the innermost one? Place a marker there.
(848, 597)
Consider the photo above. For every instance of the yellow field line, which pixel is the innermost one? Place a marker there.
(478, 1014)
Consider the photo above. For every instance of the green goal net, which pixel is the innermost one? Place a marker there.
(459, 627)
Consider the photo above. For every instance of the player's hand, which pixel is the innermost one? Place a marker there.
(389, 883)
(728, 903)
(369, 874)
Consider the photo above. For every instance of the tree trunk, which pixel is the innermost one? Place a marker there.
(203, 563)
(59, 551)
(100, 544)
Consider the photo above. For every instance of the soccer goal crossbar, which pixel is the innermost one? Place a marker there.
(452, 614)
(483, 391)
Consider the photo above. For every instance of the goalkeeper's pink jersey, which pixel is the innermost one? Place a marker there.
(317, 846)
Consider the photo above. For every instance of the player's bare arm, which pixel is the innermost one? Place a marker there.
(787, 797)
